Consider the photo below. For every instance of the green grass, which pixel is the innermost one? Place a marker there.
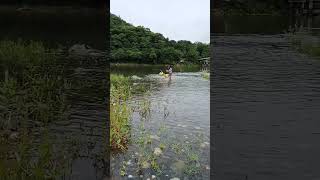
(32, 94)
(120, 112)
(31, 88)
(300, 43)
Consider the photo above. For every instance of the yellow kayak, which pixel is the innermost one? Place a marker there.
(163, 74)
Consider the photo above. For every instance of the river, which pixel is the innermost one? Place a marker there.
(82, 135)
(265, 99)
(182, 107)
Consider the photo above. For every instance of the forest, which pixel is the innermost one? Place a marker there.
(137, 44)
(252, 6)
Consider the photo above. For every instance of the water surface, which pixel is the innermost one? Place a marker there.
(182, 106)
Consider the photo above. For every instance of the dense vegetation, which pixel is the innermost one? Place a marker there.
(84, 3)
(32, 94)
(252, 6)
(140, 45)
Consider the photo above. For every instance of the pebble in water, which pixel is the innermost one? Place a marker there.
(157, 151)
(175, 178)
(155, 137)
(145, 165)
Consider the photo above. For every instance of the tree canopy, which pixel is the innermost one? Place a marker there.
(138, 44)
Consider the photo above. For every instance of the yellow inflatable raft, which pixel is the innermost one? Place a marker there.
(163, 74)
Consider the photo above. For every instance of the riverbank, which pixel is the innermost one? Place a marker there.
(32, 93)
(305, 43)
(149, 147)
(50, 9)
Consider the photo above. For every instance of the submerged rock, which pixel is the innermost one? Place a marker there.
(157, 151)
(134, 77)
(178, 166)
(14, 135)
(175, 178)
(145, 165)
(202, 145)
(155, 137)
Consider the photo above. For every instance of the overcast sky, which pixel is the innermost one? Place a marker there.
(175, 19)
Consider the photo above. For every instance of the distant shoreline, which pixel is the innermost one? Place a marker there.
(51, 9)
(241, 12)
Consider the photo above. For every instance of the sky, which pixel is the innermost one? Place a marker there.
(175, 19)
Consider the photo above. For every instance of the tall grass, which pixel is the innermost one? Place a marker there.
(305, 43)
(31, 88)
(120, 112)
(32, 94)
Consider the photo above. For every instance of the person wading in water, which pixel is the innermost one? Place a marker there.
(169, 71)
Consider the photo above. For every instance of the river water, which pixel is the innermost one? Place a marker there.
(182, 107)
(85, 124)
(265, 99)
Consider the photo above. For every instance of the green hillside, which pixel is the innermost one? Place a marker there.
(137, 44)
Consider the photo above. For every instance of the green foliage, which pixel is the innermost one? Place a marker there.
(31, 88)
(140, 45)
(120, 112)
(253, 6)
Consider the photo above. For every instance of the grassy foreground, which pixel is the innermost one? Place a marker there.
(305, 43)
(31, 96)
(120, 112)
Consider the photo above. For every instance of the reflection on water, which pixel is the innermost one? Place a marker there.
(182, 107)
(265, 109)
(85, 128)
(250, 24)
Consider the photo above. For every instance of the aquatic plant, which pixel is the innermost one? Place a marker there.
(32, 94)
(304, 43)
(32, 88)
(22, 164)
(120, 112)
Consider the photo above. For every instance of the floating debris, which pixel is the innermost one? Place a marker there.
(130, 176)
(153, 177)
(157, 151)
(197, 127)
